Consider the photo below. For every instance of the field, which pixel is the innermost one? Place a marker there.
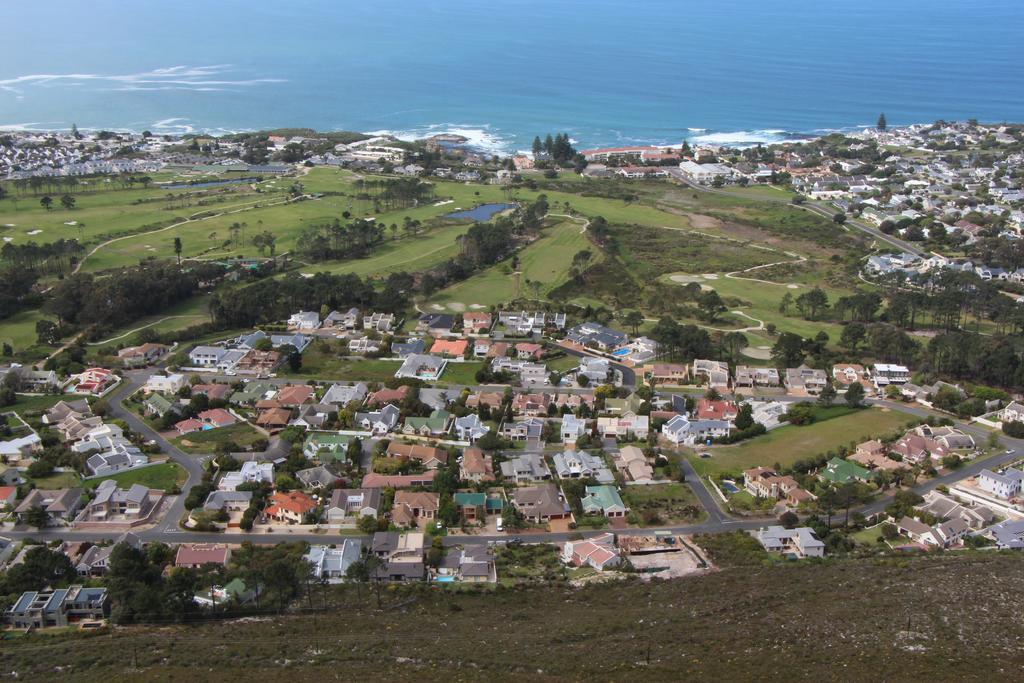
(164, 476)
(787, 444)
(546, 261)
(320, 365)
(662, 504)
(242, 434)
(764, 621)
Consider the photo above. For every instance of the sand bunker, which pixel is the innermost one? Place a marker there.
(758, 353)
(34, 232)
(456, 306)
(710, 276)
(477, 307)
(792, 286)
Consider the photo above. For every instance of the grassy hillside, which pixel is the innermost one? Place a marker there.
(897, 619)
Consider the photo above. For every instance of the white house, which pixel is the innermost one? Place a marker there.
(682, 430)
(1005, 485)
(304, 320)
(165, 384)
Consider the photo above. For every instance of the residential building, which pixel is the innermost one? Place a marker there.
(379, 422)
(762, 482)
(197, 555)
(747, 376)
(580, 464)
(941, 535)
(706, 409)
(348, 320)
(165, 384)
(595, 335)
(234, 592)
(420, 366)
(120, 506)
(596, 370)
(469, 428)
(331, 564)
(1005, 484)
(632, 463)
(342, 395)
(250, 473)
(806, 381)
(472, 506)
(60, 505)
(449, 348)
(379, 322)
(304, 320)
(530, 429)
(428, 456)
(572, 428)
(347, 506)
(540, 504)
(373, 480)
(884, 374)
(603, 500)
(142, 355)
(682, 430)
(840, 471)
(59, 607)
(627, 425)
(291, 507)
(714, 373)
(476, 322)
(598, 552)
(435, 425)
(525, 467)
(799, 542)
(469, 565)
(435, 324)
(668, 373)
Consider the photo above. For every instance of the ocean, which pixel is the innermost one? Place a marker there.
(608, 72)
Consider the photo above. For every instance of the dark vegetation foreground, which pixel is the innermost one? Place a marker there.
(884, 619)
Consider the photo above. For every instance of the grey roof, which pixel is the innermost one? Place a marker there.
(218, 499)
(316, 476)
(339, 394)
(403, 349)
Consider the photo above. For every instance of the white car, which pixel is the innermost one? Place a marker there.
(499, 527)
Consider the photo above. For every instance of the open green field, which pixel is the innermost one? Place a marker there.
(58, 480)
(659, 504)
(546, 261)
(787, 444)
(28, 403)
(241, 434)
(461, 373)
(20, 330)
(193, 311)
(317, 364)
(164, 476)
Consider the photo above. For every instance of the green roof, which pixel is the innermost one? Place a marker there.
(158, 403)
(601, 498)
(327, 441)
(436, 422)
(842, 471)
(470, 499)
(253, 391)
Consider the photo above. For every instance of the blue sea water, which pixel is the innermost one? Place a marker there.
(606, 71)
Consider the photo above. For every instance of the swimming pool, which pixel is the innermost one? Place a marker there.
(730, 487)
(445, 579)
(618, 353)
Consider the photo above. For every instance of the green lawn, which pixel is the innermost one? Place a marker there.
(30, 403)
(785, 445)
(242, 434)
(164, 476)
(19, 331)
(317, 364)
(659, 504)
(58, 480)
(546, 261)
(461, 373)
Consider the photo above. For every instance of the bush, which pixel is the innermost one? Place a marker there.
(1014, 429)
(40, 468)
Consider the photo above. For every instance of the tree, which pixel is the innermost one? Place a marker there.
(855, 395)
(788, 351)
(745, 417)
(785, 303)
(177, 249)
(538, 146)
(839, 218)
(788, 519)
(634, 319)
(812, 303)
(853, 334)
(827, 395)
(46, 202)
(882, 123)
(47, 332)
(710, 305)
(67, 201)
(41, 567)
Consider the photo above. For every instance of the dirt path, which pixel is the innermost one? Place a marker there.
(585, 221)
(139, 329)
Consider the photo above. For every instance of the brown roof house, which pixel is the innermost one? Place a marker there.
(411, 506)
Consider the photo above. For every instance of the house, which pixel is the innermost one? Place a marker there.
(540, 504)
(1005, 484)
(21, 446)
(8, 496)
(468, 565)
(529, 351)
(294, 395)
(331, 564)
(419, 366)
(253, 392)
(762, 482)
(142, 355)
(596, 370)
(304, 320)
(884, 374)
(531, 404)
(60, 505)
(704, 173)
(530, 429)
(604, 500)
(476, 322)
(747, 376)
(1013, 412)
(250, 473)
(681, 430)
(625, 425)
(435, 425)
(1008, 534)
(572, 428)
(206, 356)
(233, 592)
(157, 405)
(491, 399)
(668, 373)
(62, 410)
(840, 471)
(95, 560)
(326, 446)
(395, 546)
(946, 508)
(714, 373)
(595, 335)
(93, 381)
(849, 373)
(768, 413)
(384, 396)
(617, 406)
(342, 395)
(408, 348)
(598, 552)
(528, 372)
(438, 399)
(706, 409)
(364, 345)
(411, 506)
(379, 322)
(941, 535)
(30, 379)
(118, 455)
(476, 466)
(274, 418)
(799, 542)
(347, 506)
(580, 464)
(120, 506)
(428, 456)
(291, 507)
(806, 381)
(373, 480)
(872, 455)
(348, 320)
(915, 449)
(228, 501)
(435, 324)
(197, 555)
(165, 384)
(454, 348)
(314, 415)
(379, 422)
(60, 607)
(472, 506)
(469, 428)
(216, 417)
(482, 347)
(525, 467)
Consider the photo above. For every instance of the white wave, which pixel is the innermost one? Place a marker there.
(483, 138)
(213, 76)
(747, 138)
(698, 130)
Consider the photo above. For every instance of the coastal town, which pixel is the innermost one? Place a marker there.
(486, 419)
